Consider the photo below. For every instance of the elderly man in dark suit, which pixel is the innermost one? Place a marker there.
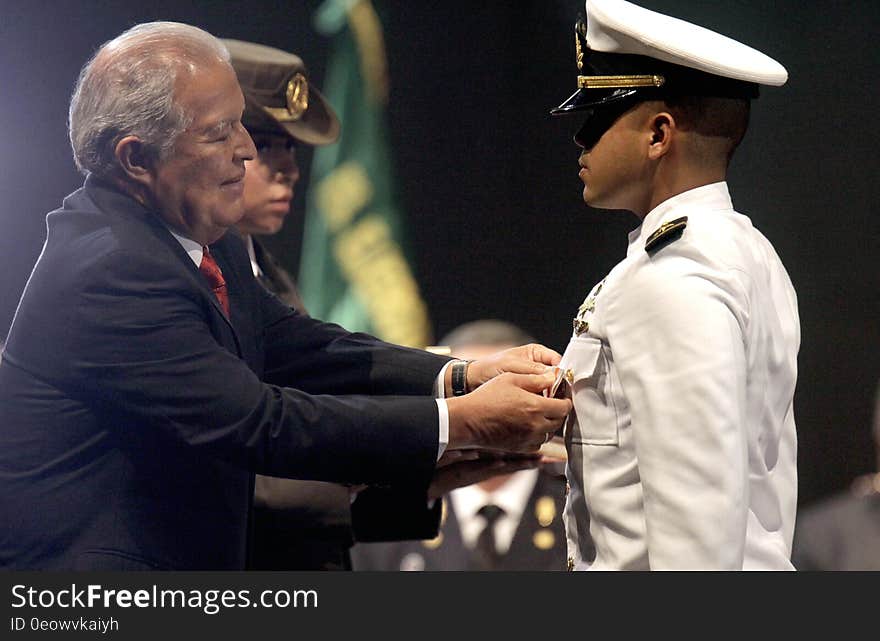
(147, 376)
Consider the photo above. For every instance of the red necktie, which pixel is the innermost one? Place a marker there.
(211, 271)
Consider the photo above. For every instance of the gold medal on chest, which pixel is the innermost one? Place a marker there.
(581, 321)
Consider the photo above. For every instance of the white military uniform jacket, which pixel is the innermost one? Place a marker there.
(682, 369)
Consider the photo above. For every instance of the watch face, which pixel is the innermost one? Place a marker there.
(459, 379)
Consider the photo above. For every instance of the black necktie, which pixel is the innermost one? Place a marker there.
(485, 555)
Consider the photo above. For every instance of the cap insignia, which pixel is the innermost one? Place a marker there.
(297, 95)
(666, 233)
(580, 32)
(616, 82)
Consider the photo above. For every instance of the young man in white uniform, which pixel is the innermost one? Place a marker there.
(683, 360)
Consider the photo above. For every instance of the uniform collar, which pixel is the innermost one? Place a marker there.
(706, 198)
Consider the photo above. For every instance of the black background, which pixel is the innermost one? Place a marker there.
(489, 181)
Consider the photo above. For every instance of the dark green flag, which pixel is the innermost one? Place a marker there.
(353, 269)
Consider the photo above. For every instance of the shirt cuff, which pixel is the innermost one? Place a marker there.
(443, 430)
(440, 383)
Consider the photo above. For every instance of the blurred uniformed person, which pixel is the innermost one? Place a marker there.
(283, 112)
(310, 525)
(297, 525)
(682, 362)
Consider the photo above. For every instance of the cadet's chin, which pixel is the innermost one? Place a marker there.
(591, 199)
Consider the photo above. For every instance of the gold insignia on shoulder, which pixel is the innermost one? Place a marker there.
(579, 52)
(545, 510)
(544, 539)
(433, 544)
(570, 564)
(580, 326)
(666, 233)
(297, 96)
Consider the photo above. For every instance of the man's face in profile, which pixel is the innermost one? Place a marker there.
(199, 187)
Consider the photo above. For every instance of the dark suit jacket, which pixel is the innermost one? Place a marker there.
(534, 546)
(275, 278)
(133, 413)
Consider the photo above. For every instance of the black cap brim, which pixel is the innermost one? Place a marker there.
(583, 99)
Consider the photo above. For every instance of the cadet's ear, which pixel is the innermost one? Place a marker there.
(135, 161)
(663, 130)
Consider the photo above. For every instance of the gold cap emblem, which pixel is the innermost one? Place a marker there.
(297, 96)
(580, 33)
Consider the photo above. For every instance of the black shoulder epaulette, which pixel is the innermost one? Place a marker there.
(666, 233)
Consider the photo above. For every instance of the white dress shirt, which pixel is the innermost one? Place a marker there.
(681, 444)
(512, 497)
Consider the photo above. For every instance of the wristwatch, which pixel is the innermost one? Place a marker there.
(459, 378)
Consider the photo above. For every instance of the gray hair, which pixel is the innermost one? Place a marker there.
(127, 88)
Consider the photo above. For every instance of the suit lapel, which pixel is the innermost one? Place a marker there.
(160, 231)
(108, 198)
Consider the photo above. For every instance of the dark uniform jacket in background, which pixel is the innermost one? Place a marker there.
(533, 547)
(133, 413)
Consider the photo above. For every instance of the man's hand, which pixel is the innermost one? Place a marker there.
(458, 468)
(507, 413)
(525, 359)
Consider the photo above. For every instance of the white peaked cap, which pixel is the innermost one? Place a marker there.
(617, 26)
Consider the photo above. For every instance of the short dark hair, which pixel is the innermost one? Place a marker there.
(721, 122)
